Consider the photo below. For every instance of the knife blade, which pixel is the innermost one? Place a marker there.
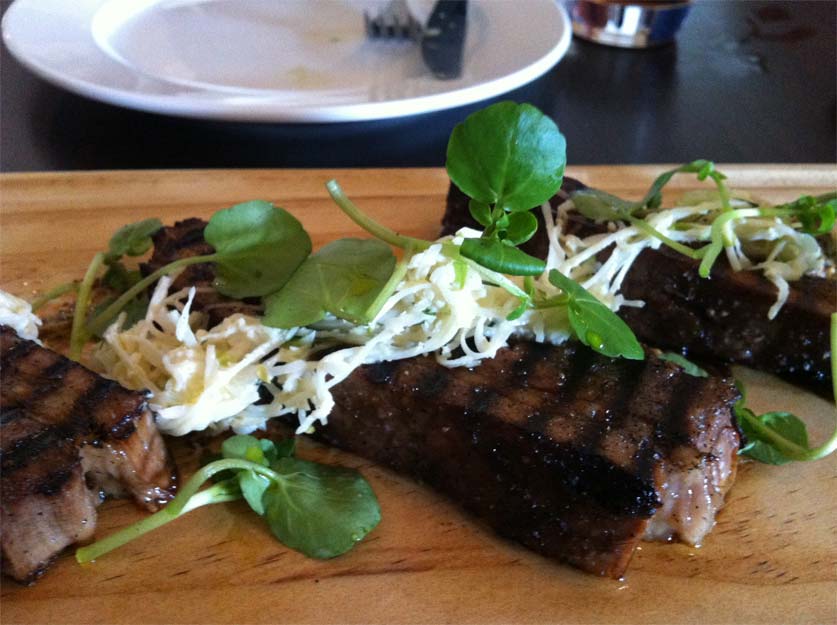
(443, 40)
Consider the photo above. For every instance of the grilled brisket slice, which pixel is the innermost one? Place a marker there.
(573, 454)
(67, 437)
(726, 317)
(722, 318)
(184, 240)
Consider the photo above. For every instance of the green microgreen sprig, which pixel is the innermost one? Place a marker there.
(344, 278)
(257, 248)
(55, 292)
(781, 437)
(815, 214)
(320, 510)
(687, 365)
(507, 158)
(594, 323)
(130, 240)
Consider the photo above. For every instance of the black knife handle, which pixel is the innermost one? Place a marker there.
(444, 36)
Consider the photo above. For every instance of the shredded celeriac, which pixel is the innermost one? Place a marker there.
(17, 314)
(240, 373)
(752, 242)
(210, 378)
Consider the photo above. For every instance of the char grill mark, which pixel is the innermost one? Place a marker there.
(723, 318)
(568, 463)
(14, 352)
(8, 415)
(66, 435)
(92, 400)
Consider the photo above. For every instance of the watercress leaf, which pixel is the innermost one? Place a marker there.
(118, 278)
(282, 449)
(480, 211)
(320, 510)
(701, 167)
(258, 247)
(344, 278)
(598, 205)
(244, 447)
(758, 446)
(687, 365)
(508, 153)
(269, 452)
(253, 487)
(497, 256)
(132, 240)
(817, 217)
(654, 197)
(654, 202)
(602, 330)
(705, 168)
(521, 228)
(595, 324)
(788, 425)
(135, 310)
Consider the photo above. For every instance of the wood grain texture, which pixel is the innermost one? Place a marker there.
(771, 558)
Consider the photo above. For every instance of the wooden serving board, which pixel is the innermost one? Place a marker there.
(770, 559)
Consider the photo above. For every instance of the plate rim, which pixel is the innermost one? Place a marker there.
(267, 108)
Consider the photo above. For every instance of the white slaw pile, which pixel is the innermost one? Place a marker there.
(785, 253)
(17, 314)
(210, 378)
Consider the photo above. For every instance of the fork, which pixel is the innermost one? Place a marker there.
(394, 21)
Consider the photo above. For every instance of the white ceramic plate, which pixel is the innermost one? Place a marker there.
(274, 60)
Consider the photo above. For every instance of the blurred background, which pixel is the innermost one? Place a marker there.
(744, 81)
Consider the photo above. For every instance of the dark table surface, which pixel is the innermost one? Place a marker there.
(745, 82)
